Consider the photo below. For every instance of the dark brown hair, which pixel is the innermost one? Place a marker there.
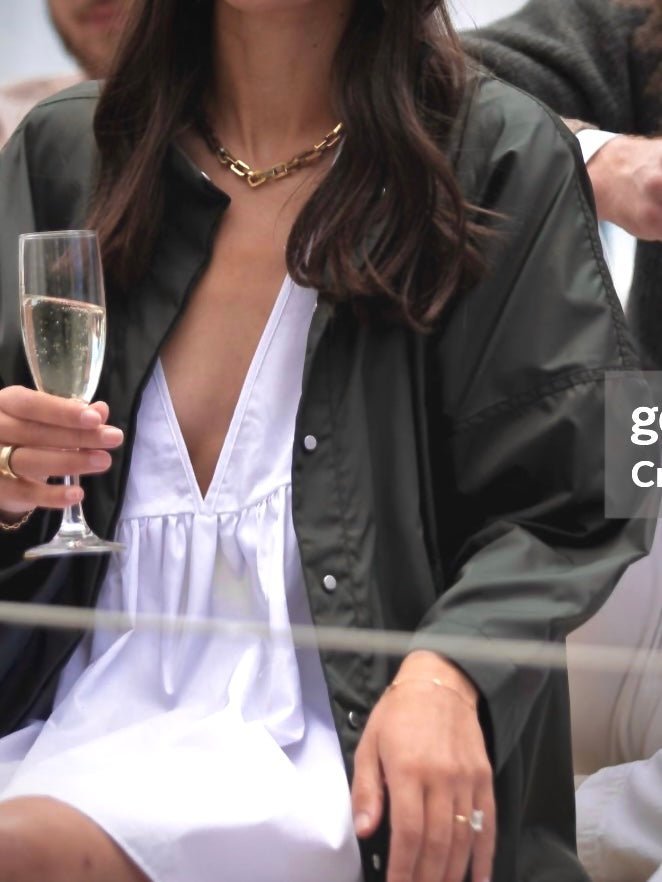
(387, 229)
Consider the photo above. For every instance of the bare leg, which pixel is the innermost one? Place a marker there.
(43, 840)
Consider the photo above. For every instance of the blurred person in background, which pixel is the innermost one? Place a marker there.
(617, 733)
(599, 64)
(89, 30)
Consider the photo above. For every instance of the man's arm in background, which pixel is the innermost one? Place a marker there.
(598, 63)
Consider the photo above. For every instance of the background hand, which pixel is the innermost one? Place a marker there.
(627, 181)
(424, 744)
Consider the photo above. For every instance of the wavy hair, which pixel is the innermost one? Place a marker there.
(388, 229)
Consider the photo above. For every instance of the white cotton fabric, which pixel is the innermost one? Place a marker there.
(617, 732)
(205, 758)
(619, 247)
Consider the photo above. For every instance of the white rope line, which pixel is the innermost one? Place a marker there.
(524, 653)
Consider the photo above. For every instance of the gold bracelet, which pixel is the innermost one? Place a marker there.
(11, 528)
(433, 681)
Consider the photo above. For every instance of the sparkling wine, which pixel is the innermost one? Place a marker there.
(64, 341)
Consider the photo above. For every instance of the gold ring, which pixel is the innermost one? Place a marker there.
(462, 819)
(6, 470)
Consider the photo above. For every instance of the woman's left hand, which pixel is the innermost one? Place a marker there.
(424, 744)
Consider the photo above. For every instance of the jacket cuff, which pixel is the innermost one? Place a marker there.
(592, 799)
(499, 683)
(592, 141)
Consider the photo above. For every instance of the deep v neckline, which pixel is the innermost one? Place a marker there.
(205, 504)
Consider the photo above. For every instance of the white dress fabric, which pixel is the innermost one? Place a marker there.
(205, 758)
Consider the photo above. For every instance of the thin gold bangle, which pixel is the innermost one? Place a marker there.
(433, 681)
(11, 528)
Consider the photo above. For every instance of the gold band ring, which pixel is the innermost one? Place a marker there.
(6, 470)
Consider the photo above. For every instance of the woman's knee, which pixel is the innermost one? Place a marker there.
(43, 840)
(21, 858)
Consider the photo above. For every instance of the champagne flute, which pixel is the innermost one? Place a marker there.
(63, 318)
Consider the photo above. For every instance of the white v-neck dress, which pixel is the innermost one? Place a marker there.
(205, 758)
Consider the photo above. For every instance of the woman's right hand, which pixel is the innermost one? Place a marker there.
(53, 437)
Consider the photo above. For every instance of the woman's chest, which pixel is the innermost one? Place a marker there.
(208, 355)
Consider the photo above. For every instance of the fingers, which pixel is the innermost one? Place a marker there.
(367, 788)
(450, 844)
(438, 838)
(52, 437)
(22, 495)
(36, 465)
(407, 825)
(35, 419)
(102, 409)
(484, 844)
(39, 407)
(21, 433)
(462, 840)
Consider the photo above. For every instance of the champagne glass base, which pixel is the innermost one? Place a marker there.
(61, 546)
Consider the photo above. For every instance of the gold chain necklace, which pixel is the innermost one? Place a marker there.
(281, 170)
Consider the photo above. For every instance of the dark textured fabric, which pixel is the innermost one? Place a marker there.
(456, 487)
(598, 61)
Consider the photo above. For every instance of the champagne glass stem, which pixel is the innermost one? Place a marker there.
(63, 321)
(73, 519)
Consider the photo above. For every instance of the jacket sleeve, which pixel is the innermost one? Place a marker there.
(17, 217)
(527, 551)
(41, 170)
(584, 58)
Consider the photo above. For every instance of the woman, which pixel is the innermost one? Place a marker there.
(409, 435)
(617, 732)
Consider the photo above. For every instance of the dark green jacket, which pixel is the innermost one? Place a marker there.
(456, 488)
(599, 61)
